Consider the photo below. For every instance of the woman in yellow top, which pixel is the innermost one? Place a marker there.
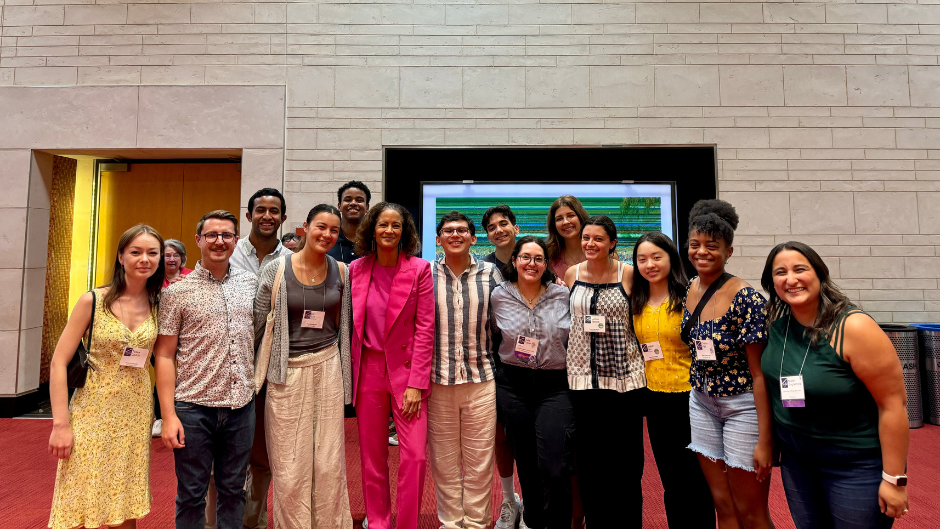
(658, 290)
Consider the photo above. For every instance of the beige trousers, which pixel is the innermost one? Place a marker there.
(306, 444)
(461, 435)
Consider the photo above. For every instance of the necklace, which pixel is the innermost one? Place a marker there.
(535, 298)
(316, 274)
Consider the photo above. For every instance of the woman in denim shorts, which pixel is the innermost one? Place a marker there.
(729, 409)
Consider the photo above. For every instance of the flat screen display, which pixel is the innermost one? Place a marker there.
(635, 208)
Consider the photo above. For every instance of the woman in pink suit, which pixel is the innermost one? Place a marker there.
(392, 306)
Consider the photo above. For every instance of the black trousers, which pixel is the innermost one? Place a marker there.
(539, 420)
(687, 497)
(609, 456)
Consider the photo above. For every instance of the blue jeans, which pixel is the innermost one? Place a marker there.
(213, 436)
(829, 487)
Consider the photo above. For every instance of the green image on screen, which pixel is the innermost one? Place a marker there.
(633, 217)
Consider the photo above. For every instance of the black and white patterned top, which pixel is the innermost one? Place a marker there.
(463, 343)
(213, 320)
(603, 360)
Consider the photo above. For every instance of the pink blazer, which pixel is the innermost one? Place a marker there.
(409, 323)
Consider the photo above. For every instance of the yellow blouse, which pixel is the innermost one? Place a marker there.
(671, 373)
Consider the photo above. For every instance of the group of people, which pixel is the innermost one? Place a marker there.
(545, 354)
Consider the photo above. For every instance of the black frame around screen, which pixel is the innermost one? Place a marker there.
(694, 169)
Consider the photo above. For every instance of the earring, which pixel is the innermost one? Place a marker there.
(373, 244)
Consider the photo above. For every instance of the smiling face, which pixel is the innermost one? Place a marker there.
(353, 205)
(653, 262)
(172, 260)
(141, 258)
(567, 222)
(795, 279)
(707, 254)
(218, 251)
(452, 241)
(596, 243)
(266, 216)
(500, 231)
(322, 232)
(530, 263)
(388, 228)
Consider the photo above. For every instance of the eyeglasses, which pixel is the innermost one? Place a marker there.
(212, 237)
(526, 258)
(447, 232)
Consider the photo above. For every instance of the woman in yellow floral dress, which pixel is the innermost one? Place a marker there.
(102, 439)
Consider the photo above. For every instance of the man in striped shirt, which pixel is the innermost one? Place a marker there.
(462, 402)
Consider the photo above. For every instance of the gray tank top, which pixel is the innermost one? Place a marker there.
(323, 297)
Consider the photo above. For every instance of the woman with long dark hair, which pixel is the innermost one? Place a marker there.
(565, 219)
(656, 305)
(531, 316)
(392, 305)
(728, 406)
(307, 377)
(102, 437)
(838, 398)
(606, 374)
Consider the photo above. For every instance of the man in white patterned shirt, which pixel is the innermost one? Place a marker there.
(208, 402)
(462, 402)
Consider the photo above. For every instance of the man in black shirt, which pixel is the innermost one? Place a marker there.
(501, 229)
(354, 198)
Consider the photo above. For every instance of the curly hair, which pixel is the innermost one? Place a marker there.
(715, 218)
(555, 242)
(365, 236)
(354, 184)
(832, 302)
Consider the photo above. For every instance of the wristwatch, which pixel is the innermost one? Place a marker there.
(900, 481)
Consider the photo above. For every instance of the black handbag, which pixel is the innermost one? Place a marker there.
(78, 365)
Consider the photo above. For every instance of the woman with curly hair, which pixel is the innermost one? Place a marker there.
(728, 407)
(392, 307)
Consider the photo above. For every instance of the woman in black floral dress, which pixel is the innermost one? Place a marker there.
(728, 406)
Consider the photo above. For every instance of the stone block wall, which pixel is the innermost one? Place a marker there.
(826, 115)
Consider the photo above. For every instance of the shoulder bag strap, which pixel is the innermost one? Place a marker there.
(91, 324)
(687, 328)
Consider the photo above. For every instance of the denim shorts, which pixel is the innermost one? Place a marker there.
(724, 428)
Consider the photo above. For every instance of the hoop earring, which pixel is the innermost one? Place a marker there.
(399, 246)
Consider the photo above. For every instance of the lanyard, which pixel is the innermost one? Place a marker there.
(785, 336)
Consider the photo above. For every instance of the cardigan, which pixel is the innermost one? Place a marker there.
(280, 341)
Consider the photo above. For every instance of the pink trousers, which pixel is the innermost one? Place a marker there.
(373, 400)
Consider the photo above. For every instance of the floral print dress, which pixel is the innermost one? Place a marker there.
(106, 480)
(744, 323)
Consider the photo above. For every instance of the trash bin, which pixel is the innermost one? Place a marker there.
(929, 341)
(904, 339)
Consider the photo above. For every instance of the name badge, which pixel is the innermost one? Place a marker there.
(652, 351)
(526, 347)
(594, 323)
(134, 357)
(792, 393)
(705, 349)
(313, 319)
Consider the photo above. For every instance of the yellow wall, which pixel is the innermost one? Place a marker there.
(81, 231)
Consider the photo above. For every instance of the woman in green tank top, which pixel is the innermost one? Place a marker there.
(838, 399)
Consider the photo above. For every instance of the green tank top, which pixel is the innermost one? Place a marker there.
(839, 409)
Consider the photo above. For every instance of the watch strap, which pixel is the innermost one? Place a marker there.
(900, 481)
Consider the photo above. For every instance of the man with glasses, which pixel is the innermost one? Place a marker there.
(354, 198)
(501, 230)
(266, 211)
(462, 401)
(208, 398)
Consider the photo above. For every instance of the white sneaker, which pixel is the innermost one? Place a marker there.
(157, 429)
(365, 522)
(509, 514)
